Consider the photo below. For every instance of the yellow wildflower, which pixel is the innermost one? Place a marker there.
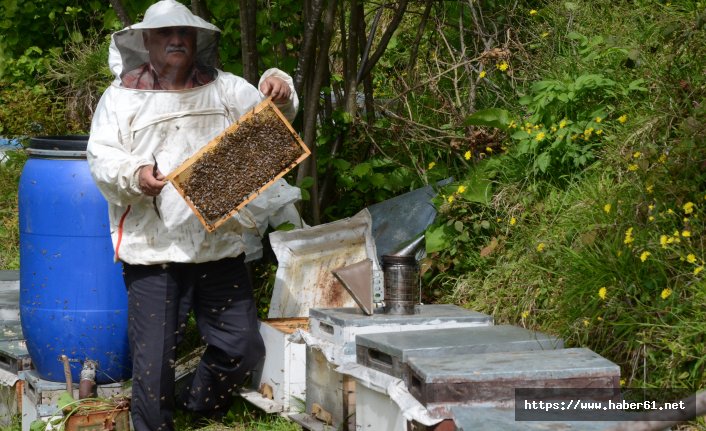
(691, 258)
(512, 124)
(688, 208)
(467, 155)
(599, 132)
(622, 119)
(545, 34)
(482, 74)
(461, 189)
(450, 199)
(539, 136)
(645, 255)
(666, 293)
(562, 124)
(649, 189)
(525, 314)
(698, 269)
(602, 293)
(686, 233)
(488, 150)
(586, 322)
(533, 12)
(599, 318)
(598, 119)
(664, 240)
(650, 206)
(502, 66)
(670, 211)
(662, 158)
(622, 382)
(540, 247)
(628, 236)
(651, 218)
(607, 208)
(633, 167)
(513, 220)
(636, 154)
(431, 165)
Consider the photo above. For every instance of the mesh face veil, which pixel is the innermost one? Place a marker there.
(127, 49)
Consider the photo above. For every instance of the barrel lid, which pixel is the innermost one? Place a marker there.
(58, 146)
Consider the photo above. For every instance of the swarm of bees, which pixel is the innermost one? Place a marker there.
(238, 164)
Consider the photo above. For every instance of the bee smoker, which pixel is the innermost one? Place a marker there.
(402, 279)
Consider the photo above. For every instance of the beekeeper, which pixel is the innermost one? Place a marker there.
(167, 101)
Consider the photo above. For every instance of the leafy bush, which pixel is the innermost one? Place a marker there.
(29, 111)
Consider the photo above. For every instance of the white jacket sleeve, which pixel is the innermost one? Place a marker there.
(113, 168)
(289, 108)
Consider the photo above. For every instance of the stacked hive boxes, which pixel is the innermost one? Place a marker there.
(332, 396)
(472, 367)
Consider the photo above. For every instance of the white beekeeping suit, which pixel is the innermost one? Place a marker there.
(131, 128)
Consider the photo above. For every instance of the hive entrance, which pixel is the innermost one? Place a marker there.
(238, 164)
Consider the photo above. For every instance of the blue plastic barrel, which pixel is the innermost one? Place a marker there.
(73, 299)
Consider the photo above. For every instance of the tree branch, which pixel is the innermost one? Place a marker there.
(308, 48)
(386, 36)
(121, 12)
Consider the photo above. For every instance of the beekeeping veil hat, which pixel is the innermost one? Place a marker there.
(127, 49)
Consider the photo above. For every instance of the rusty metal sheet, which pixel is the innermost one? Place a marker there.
(306, 258)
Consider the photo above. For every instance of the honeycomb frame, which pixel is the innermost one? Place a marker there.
(180, 178)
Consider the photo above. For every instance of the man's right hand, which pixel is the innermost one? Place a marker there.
(151, 185)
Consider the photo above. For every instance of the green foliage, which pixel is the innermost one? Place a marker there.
(466, 224)
(79, 76)
(611, 257)
(279, 27)
(564, 123)
(549, 101)
(10, 170)
(32, 30)
(29, 111)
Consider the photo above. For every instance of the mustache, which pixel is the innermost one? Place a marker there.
(171, 49)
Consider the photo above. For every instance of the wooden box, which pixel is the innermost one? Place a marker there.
(281, 377)
(238, 164)
(490, 379)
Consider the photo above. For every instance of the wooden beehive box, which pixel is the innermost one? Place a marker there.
(238, 164)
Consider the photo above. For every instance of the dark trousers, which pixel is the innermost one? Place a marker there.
(159, 299)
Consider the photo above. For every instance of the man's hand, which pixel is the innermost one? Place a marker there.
(276, 88)
(150, 184)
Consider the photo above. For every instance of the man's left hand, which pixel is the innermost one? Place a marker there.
(276, 88)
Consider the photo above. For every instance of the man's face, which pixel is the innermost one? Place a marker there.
(171, 47)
